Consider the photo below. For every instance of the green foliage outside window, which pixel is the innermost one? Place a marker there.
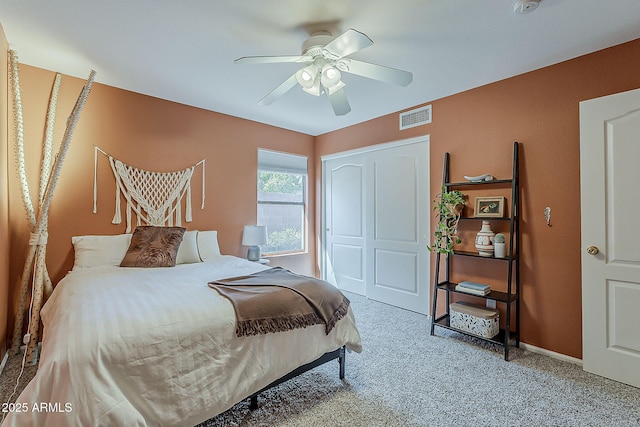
(287, 240)
(279, 182)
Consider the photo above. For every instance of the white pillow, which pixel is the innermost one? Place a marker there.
(208, 244)
(188, 250)
(99, 251)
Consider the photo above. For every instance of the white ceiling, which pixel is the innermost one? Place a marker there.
(183, 51)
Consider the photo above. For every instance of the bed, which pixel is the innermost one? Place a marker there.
(157, 346)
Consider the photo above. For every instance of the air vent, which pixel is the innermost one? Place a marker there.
(417, 117)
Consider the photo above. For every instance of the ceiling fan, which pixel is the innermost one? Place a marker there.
(325, 58)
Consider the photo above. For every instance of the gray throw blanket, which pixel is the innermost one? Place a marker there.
(276, 300)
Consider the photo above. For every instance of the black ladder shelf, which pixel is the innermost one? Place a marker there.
(507, 299)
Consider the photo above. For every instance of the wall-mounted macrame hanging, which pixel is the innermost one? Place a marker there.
(154, 197)
(35, 270)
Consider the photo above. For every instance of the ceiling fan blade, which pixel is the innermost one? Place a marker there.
(339, 103)
(376, 72)
(272, 59)
(345, 44)
(279, 91)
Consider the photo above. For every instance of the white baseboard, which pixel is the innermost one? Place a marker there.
(559, 356)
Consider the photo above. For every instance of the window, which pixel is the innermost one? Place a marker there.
(282, 197)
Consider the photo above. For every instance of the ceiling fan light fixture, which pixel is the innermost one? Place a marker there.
(309, 80)
(330, 76)
(307, 76)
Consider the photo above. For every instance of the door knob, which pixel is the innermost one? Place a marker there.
(592, 250)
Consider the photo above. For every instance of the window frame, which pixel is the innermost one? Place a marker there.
(281, 162)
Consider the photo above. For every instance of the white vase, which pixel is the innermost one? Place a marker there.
(484, 240)
(500, 249)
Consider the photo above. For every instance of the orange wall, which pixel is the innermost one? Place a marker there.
(478, 127)
(4, 199)
(151, 134)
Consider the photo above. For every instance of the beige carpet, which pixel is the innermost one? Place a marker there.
(405, 377)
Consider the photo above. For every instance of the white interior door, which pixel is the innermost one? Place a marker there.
(397, 261)
(376, 223)
(609, 178)
(344, 223)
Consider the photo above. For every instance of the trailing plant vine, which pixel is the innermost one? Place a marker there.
(448, 208)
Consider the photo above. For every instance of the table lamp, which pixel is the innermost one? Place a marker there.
(253, 236)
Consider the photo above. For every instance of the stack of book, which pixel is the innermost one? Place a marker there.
(473, 288)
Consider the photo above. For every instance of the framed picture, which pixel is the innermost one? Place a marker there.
(489, 207)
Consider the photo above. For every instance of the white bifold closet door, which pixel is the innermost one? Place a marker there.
(376, 223)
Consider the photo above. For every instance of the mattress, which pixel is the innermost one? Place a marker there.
(156, 346)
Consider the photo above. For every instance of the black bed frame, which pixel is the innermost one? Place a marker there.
(327, 357)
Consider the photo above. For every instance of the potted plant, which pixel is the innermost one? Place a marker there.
(448, 207)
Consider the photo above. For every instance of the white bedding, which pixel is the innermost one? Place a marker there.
(156, 346)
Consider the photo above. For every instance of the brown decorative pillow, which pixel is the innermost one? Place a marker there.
(153, 247)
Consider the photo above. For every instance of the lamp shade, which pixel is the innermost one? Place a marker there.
(254, 235)
(306, 76)
(330, 76)
(308, 79)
